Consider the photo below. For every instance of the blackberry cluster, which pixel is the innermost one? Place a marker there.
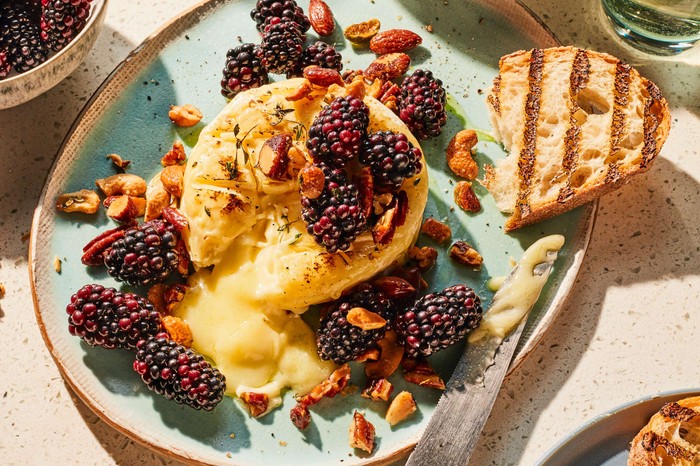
(318, 54)
(391, 157)
(179, 373)
(265, 9)
(340, 341)
(5, 62)
(111, 319)
(334, 218)
(335, 136)
(62, 20)
(21, 37)
(145, 255)
(282, 45)
(438, 320)
(422, 104)
(243, 70)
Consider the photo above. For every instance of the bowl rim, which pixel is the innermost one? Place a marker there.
(95, 11)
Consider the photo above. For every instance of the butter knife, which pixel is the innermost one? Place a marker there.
(462, 411)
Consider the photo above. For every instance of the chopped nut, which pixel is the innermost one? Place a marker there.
(304, 90)
(312, 181)
(459, 154)
(282, 443)
(436, 230)
(157, 198)
(465, 254)
(388, 91)
(429, 27)
(273, 159)
(173, 179)
(118, 162)
(85, 201)
(420, 373)
(394, 288)
(156, 295)
(361, 433)
(350, 75)
(57, 264)
(174, 294)
(178, 330)
(122, 208)
(123, 183)
(175, 218)
(365, 184)
(391, 353)
(185, 115)
(257, 403)
(364, 319)
(375, 89)
(389, 66)
(425, 257)
(93, 252)
(371, 354)
(323, 77)
(183, 264)
(401, 407)
(300, 416)
(175, 156)
(356, 88)
(394, 217)
(378, 389)
(362, 33)
(466, 198)
(334, 384)
(381, 202)
(2, 290)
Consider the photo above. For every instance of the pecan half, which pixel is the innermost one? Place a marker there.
(122, 183)
(185, 115)
(465, 254)
(362, 33)
(391, 353)
(393, 41)
(392, 218)
(175, 156)
(257, 403)
(311, 181)
(85, 201)
(377, 389)
(273, 158)
(365, 184)
(321, 17)
(421, 373)
(425, 257)
(465, 197)
(365, 319)
(436, 230)
(389, 66)
(324, 77)
(183, 264)
(401, 407)
(174, 294)
(178, 330)
(175, 218)
(334, 384)
(93, 252)
(394, 287)
(361, 433)
(459, 154)
(412, 275)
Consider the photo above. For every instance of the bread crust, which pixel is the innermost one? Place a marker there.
(658, 113)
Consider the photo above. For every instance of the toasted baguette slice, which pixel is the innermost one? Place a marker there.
(671, 438)
(577, 124)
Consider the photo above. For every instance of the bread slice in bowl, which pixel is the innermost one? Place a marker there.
(577, 124)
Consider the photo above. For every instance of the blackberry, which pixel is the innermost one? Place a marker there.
(22, 38)
(243, 70)
(179, 373)
(438, 320)
(146, 254)
(265, 9)
(62, 20)
(334, 218)
(281, 45)
(5, 62)
(319, 54)
(111, 319)
(336, 134)
(340, 341)
(392, 158)
(422, 104)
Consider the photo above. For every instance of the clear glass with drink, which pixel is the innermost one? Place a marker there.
(662, 27)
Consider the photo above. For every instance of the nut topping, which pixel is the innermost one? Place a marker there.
(173, 179)
(175, 156)
(257, 403)
(393, 41)
(185, 115)
(273, 159)
(402, 406)
(420, 373)
(390, 357)
(93, 252)
(156, 295)
(465, 197)
(361, 433)
(425, 257)
(436, 230)
(371, 354)
(85, 201)
(459, 154)
(365, 186)
(378, 389)
(174, 294)
(365, 319)
(394, 288)
(123, 183)
(157, 198)
(465, 254)
(118, 162)
(300, 92)
(311, 181)
(321, 17)
(389, 66)
(178, 330)
(324, 77)
(122, 208)
(361, 33)
(334, 384)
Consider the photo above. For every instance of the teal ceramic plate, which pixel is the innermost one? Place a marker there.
(605, 440)
(128, 116)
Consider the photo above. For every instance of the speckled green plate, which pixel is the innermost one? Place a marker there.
(182, 64)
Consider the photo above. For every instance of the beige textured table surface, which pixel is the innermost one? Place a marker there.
(629, 329)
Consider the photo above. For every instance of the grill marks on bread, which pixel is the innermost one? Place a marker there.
(651, 441)
(652, 121)
(678, 412)
(617, 130)
(494, 97)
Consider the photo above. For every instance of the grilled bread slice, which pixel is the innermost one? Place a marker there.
(577, 124)
(671, 438)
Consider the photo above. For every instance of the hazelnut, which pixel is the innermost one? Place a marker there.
(184, 115)
(459, 154)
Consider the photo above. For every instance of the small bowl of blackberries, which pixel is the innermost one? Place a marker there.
(42, 42)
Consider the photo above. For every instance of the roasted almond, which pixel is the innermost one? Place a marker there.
(401, 407)
(365, 319)
(361, 33)
(323, 77)
(361, 433)
(321, 17)
(311, 181)
(393, 41)
(273, 159)
(394, 287)
(465, 197)
(389, 66)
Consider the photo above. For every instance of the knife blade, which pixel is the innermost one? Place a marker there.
(462, 411)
